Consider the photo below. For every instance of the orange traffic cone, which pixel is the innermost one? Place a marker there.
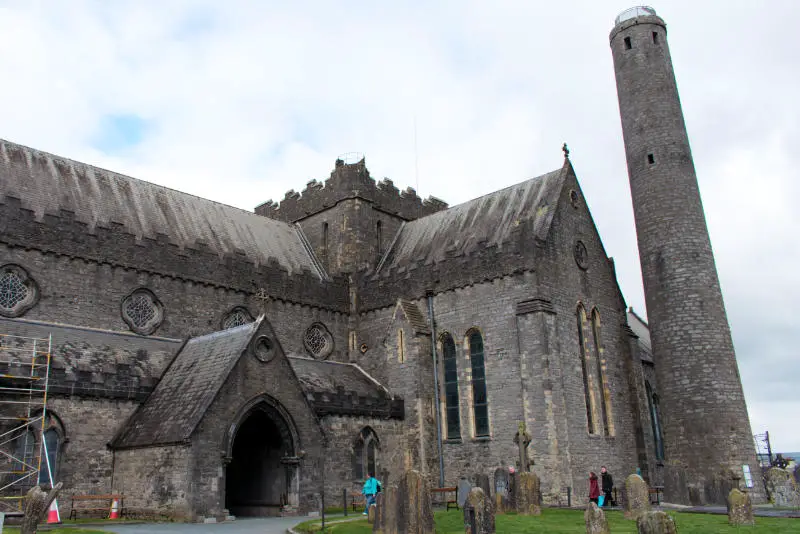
(52, 514)
(114, 509)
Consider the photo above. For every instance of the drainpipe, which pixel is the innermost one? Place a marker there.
(429, 294)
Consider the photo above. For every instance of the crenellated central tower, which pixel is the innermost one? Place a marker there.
(707, 436)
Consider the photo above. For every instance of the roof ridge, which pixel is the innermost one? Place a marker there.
(128, 177)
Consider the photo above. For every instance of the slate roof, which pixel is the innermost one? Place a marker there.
(642, 330)
(488, 220)
(179, 401)
(328, 377)
(47, 184)
(415, 317)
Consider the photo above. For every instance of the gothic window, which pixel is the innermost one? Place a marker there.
(236, 317)
(366, 451)
(451, 397)
(655, 422)
(18, 291)
(601, 364)
(480, 402)
(142, 311)
(318, 341)
(587, 379)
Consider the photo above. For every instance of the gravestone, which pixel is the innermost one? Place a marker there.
(595, 519)
(462, 490)
(782, 488)
(740, 509)
(637, 497)
(406, 507)
(478, 513)
(501, 501)
(371, 511)
(527, 494)
(655, 523)
(522, 439)
(481, 480)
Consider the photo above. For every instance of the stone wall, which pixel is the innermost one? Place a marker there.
(155, 482)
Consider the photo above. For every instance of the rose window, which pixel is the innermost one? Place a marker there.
(318, 341)
(237, 317)
(18, 291)
(142, 311)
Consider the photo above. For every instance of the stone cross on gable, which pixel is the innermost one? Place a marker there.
(263, 296)
(522, 439)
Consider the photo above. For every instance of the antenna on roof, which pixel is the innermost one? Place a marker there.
(416, 158)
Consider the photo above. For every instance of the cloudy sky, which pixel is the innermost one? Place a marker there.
(241, 101)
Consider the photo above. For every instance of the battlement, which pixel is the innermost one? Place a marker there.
(350, 180)
(343, 402)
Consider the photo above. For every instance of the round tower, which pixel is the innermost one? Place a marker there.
(707, 436)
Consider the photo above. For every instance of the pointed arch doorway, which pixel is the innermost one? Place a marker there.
(261, 477)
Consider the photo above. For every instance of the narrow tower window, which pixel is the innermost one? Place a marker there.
(379, 239)
(451, 387)
(587, 390)
(325, 240)
(651, 159)
(401, 346)
(480, 402)
(655, 37)
(627, 43)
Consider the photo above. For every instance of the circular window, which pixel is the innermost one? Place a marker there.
(142, 311)
(18, 291)
(236, 317)
(263, 349)
(581, 255)
(318, 341)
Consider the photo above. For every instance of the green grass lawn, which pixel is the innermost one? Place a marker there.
(571, 521)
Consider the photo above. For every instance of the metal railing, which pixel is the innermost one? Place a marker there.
(632, 13)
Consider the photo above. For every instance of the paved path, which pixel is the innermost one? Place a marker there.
(267, 525)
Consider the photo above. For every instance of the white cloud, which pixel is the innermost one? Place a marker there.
(249, 99)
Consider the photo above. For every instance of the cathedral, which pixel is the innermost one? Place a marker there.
(207, 361)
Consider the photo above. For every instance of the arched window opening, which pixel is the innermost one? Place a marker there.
(379, 239)
(49, 467)
(480, 402)
(451, 397)
(366, 452)
(587, 382)
(602, 376)
(401, 346)
(325, 241)
(652, 404)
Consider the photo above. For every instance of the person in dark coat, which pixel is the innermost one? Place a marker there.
(594, 488)
(607, 485)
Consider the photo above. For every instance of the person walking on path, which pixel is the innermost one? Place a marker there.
(606, 484)
(594, 488)
(371, 488)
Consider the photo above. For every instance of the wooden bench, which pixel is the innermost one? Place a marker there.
(445, 491)
(93, 503)
(357, 500)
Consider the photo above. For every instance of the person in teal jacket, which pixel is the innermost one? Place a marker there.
(371, 488)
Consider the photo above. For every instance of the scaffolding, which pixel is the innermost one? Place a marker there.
(24, 380)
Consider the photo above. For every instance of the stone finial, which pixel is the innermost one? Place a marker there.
(595, 519)
(740, 509)
(637, 497)
(655, 523)
(565, 149)
(478, 513)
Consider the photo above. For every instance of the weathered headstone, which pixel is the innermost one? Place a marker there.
(655, 523)
(782, 488)
(371, 512)
(37, 503)
(637, 497)
(522, 439)
(527, 494)
(406, 507)
(462, 490)
(481, 480)
(478, 513)
(595, 518)
(501, 502)
(740, 510)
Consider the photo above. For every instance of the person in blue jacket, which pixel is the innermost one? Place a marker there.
(371, 488)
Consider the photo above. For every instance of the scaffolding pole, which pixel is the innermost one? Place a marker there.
(24, 381)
